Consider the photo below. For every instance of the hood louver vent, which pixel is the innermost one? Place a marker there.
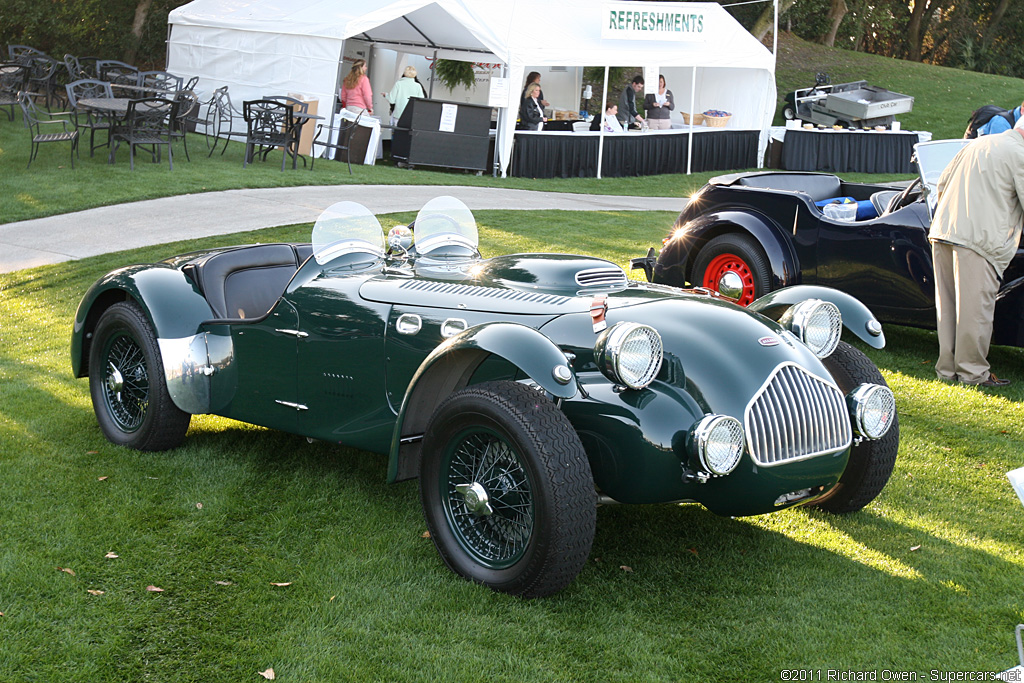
(601, 277)
(455, 289)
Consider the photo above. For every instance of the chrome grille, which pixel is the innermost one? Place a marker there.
(796, 415)
(601, 277)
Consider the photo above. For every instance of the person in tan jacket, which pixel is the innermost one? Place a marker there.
(974, 235)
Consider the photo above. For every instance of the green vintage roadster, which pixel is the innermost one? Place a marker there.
(522, 390)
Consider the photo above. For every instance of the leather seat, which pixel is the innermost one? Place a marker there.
(245, 283)
(881, 200)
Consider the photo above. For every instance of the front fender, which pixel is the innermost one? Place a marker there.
(450, 366)
(170, 300)
(676, 259)
(856, 316)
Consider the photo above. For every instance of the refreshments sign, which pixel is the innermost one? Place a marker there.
(654, 21)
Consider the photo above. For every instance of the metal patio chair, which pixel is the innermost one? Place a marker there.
(42, 127)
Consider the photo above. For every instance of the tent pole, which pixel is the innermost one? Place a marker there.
(337, 90)
(600, 135)
(693, 115)
(433, 68)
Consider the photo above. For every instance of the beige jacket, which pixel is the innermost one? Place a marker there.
(981, 198)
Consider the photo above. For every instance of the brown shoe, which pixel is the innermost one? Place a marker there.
(994, 381)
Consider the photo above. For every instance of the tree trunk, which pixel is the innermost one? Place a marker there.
(915, 34)
(836, 13)
(993, 25)
(764, 23)
(141, 13)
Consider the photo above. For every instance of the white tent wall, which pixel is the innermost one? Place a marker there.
(257, 45)
(254, 64)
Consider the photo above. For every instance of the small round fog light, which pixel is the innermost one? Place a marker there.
(874, 410)
(718, 441)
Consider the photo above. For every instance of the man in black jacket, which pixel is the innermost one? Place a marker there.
(627, 102)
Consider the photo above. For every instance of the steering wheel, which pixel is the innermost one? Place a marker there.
(906, 197)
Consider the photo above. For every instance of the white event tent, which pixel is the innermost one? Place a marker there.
(263, 46)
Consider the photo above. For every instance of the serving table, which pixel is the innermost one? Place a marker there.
(547, 154)
(848, 151)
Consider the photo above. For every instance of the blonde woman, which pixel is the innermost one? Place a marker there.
(531, 111)
(356, 94)
(403, 90)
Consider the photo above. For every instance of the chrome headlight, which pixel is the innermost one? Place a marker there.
(718, 441)
(818, 324)
(873, 408)
(630, 354)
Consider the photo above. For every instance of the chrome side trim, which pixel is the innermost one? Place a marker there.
(295, 333)
(796, 415)
(289, 404)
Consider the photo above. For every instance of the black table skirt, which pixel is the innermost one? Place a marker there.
(848, 152)
(631, 154)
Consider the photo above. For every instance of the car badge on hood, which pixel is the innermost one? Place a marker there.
(768, 341)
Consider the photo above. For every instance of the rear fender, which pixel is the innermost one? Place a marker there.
(675, 263)
(172, 303)
(856, 316)
(450, 367)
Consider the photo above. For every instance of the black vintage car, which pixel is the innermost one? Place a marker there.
(747, 234)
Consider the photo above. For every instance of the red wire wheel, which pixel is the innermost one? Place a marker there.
(737, 254)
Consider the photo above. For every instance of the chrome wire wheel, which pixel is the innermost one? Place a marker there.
(126, 382)
(128, 389)
(487, 498)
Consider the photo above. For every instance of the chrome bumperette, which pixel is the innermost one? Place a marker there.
(189, 362)
(794, 416)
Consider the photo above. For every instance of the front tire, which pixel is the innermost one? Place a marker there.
(733, 265)
(788, 112)
(507, 490)
(871, 462)
(126, 381)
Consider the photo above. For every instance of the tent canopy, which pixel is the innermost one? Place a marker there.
(263, 46)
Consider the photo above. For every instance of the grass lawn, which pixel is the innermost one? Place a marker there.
(928, 577)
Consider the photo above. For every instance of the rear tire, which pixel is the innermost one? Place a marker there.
(733, 258)
(788, 113)
(126, 381)
(871, 462)
(507, 490)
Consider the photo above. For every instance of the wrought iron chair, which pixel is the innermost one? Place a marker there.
(86, 118)
(13, 79)
(188, 106)
(299, 107)
(191, 83)
(41, 125)
(226, 118)
(20, 54)
(43, 78)
(148, 123)
(162, 82)
(345, 129)
(118, 73)
(270, 124)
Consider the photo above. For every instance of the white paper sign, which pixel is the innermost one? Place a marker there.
(497, 96)
(650, 80)
(449, 112)
(1016, 478)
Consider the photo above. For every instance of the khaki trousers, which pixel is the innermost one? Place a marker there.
(965, 302)
(659, 124)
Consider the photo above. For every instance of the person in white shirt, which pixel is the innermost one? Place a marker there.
(610, 122)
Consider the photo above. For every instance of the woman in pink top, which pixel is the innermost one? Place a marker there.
(356, 94)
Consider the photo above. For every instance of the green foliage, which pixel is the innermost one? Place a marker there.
(97, 28)
(452, 73)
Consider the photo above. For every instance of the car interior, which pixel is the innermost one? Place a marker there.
(827, 189)
(245, 283)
